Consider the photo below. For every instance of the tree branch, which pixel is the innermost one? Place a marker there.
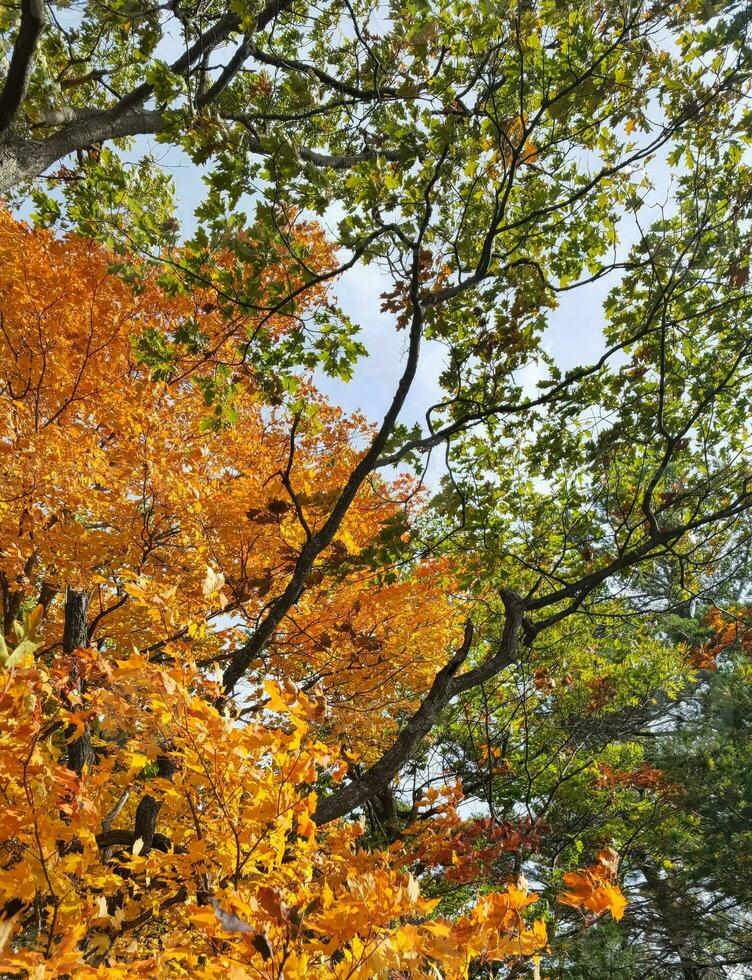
(279, 608)
(25, 159)
(446, 685)
(378, 777)
(275, 61)
(22, 61)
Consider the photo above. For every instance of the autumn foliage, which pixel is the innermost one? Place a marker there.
(593, 888)
(150, 826)
(110, 484)
(244, 882)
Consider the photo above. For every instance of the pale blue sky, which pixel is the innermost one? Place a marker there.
(574, 337)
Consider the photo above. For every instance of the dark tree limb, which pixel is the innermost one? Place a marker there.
(376, 780)
(75, 637)
(148, 809)
(378, 777)
(146, 822)
(219, 32)
(75, 630)
(323, 538)
(226, 76)
(331, 161)
(22, 61)
(47, 593)
(304, 68)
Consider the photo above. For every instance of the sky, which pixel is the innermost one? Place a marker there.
(575, 334)
(574, 337)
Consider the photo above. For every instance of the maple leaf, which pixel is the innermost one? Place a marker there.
(590, 890)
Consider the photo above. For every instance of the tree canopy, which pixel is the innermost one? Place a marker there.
(275, 702)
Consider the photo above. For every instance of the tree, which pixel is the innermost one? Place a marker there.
(242, 880)
(690, 913)
(644, 745)
(145, 820)
(324, 89)
(487, 160)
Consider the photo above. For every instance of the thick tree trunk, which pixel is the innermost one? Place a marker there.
(148, 809)
(75, 637)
